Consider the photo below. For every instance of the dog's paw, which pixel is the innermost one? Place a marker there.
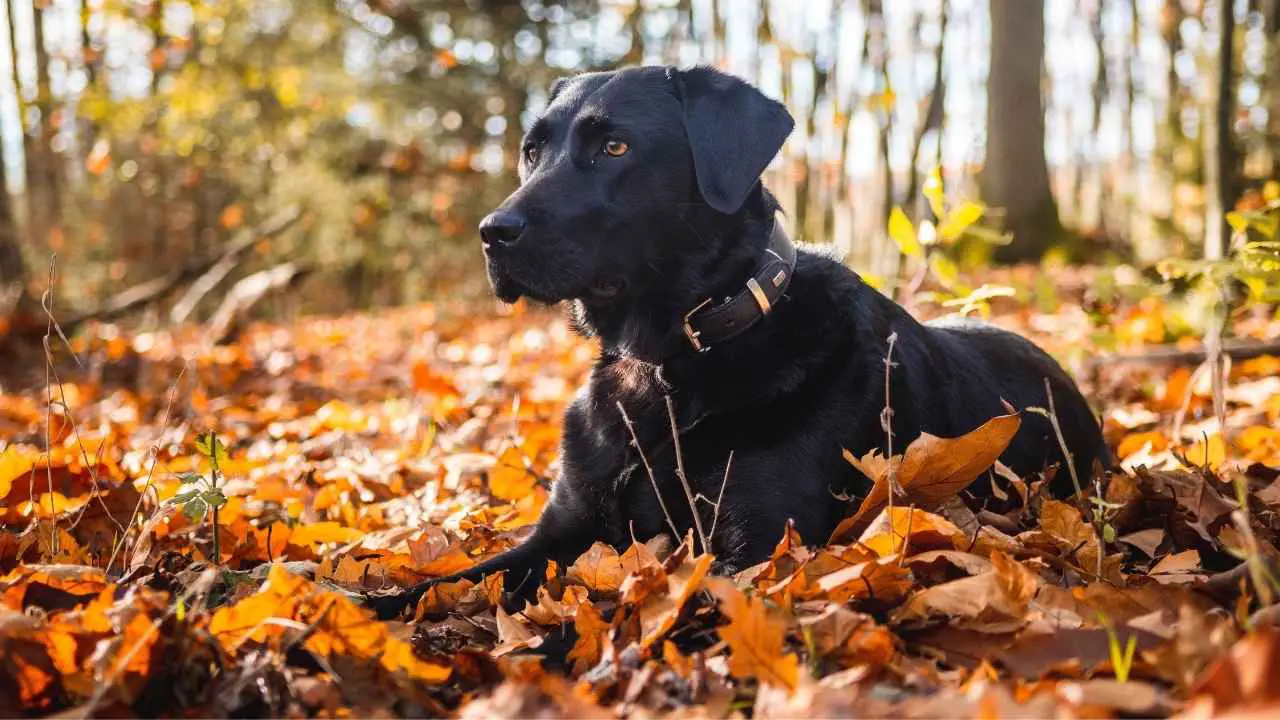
(391, 603)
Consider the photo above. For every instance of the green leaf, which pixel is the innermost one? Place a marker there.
(959, 220)
(904, 234)
(989, 236)
(183, 498)
(214, 498)
(195, 510)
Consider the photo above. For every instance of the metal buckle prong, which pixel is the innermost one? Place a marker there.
(689, 332)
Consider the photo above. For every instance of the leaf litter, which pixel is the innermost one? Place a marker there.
(191, 528)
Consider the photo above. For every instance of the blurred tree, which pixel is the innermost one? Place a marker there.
(1220, 168)
(1015, 176)
(13, 269)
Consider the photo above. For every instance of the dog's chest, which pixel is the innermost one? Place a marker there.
(639, 437)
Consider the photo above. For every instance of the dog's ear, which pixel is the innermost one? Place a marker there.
(734, 131)
(556, 87)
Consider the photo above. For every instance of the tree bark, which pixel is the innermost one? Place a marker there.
(1219, 147)
(13, 268)
(1015, 177)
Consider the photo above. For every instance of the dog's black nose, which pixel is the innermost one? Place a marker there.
(501, 227)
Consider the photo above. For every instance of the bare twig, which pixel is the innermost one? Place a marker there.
(46, 301)
(675, 532)
(1095, 516)
(886, 421)
(1181, 415)
(715, 517)
(683, 478)
(154, 451)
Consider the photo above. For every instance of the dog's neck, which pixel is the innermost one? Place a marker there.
(712, 257)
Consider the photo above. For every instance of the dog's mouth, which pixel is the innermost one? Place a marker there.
(509, 288)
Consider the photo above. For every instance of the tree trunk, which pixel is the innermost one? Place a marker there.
(43, 176)
(1219, 147)
(13, 269)
(1015, 177)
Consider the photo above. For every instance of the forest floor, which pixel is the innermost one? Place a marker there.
(146, 569)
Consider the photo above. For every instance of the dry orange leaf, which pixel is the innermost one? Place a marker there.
(993, 602)
(756, 640)
(593, 634)
(323, 532)
(931, 470)
(599, 568)
(509, 478)
(659, 616)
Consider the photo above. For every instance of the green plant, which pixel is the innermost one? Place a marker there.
(1121, 658)
(200, 496)
(936, 248)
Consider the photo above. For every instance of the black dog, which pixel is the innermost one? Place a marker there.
(641, 204)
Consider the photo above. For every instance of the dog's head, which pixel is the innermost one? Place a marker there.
(616, 157)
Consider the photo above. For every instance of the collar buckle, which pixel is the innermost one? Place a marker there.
(689, 332)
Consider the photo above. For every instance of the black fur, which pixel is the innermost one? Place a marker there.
(634, 242)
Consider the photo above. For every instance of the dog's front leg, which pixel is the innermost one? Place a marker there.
(567, 528)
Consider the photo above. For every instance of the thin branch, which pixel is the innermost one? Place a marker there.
(715, 518)
(675, 532)
(1095, 515)
(886, 421)
(683, 478)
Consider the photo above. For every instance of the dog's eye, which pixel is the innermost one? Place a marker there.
(531, 154)
(616, 148)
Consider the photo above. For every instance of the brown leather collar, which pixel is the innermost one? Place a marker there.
(710, 324)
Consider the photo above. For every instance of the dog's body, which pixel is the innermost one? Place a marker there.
(640, 200)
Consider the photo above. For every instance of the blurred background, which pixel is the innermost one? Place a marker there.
(166, 151)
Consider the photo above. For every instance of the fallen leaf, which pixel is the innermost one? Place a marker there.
(756, 641)
(931, 470)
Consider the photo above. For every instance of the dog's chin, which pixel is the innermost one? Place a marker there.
(596, 293)
(506, 288)
(509, 290)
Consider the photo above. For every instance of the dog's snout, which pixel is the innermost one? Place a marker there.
(501, 227)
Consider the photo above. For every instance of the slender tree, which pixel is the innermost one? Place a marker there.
(1015, 177)
(1219, 148)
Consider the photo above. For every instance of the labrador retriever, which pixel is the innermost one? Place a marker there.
(640, 206)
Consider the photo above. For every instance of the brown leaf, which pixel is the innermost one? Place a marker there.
(599, 568)
(593, 633)
(755, 639)
(848, 637)
(513, 635)
(1246, 676)
(932, 470)
(658, 617)
(994, 601)
(1178, 568)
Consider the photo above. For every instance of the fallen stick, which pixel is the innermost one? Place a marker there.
(247, 293)
(1235, 349)
(156, 289)
(231, 258)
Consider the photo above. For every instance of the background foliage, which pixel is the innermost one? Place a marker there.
(140, 136)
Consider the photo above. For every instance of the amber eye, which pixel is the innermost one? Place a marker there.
(616, 148)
